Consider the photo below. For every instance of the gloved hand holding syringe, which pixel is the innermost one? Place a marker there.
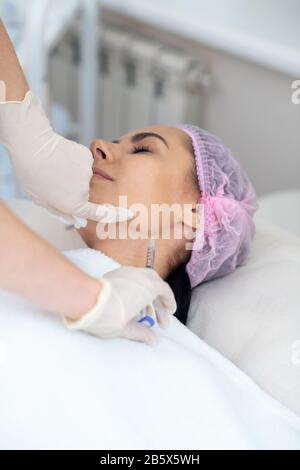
(148, 314)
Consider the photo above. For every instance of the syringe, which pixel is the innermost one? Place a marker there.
(148, 314)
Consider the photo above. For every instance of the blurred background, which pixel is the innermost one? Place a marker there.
(104, 68)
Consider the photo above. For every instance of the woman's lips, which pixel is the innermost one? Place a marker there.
(101, 174)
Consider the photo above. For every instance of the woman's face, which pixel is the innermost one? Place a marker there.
(147, 169)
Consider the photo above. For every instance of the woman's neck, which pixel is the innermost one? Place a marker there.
(132, 252)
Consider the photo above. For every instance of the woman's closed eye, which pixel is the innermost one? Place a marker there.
(141, 148)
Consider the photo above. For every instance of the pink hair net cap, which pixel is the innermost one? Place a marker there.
(227, 204)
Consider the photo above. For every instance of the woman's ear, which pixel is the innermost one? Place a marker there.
(190, 220)
(191, 217)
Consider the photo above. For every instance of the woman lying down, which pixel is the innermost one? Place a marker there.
(158, 166)
(167, 166)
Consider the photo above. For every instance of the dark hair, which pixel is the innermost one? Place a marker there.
(180, 284)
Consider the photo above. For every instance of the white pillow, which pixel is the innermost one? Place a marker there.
(252, 315)
(281, 208)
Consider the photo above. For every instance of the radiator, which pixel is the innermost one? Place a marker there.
(140, 82)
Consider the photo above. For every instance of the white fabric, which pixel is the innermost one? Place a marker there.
(65, 390)
(281, 208)
(252, 316)
(91, 261)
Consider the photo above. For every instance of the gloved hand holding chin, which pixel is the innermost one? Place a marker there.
(54, 171)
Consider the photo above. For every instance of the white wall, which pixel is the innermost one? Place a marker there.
(263, 31)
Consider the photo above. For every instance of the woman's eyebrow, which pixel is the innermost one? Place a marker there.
(142, 135)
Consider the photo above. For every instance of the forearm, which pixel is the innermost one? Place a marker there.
(11, 72)
(32, 268)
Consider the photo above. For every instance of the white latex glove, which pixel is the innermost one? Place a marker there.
(55, 172)
(125, 292)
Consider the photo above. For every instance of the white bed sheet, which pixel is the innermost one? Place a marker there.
(61, 389)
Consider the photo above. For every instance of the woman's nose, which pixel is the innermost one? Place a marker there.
(99, 149)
